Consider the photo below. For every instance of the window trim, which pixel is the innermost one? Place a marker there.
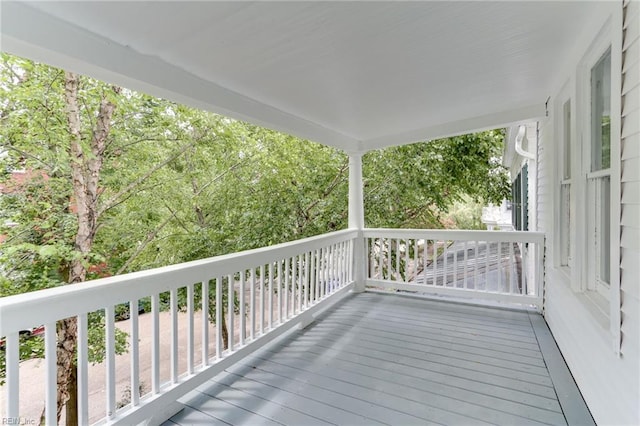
(565, 97)
(606, 38)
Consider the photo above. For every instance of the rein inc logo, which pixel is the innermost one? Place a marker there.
(17, 421)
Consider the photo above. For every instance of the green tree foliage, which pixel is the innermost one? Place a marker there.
(412, 185)
(178, 184)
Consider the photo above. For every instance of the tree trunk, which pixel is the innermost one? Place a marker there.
(225, 333)
(85, 174)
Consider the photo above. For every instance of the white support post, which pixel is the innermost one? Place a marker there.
(356, 219)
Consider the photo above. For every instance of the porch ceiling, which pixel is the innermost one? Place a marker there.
(355, 75)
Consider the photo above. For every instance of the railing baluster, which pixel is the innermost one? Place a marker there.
(381, 259)
(50, 412)
(155, 343)
(110, 360)
(434, 262)
(205, 323)
(12, 360)
(455, 263)
(219, 304)
(475, 268)
(294, 283)
(314, 276)
(270, 301)
(190, 340)
(466, 263)
(262, 299)
(173, 303)
(334, 268)
(307, 280)
(445, 255)
(280, 285)
(287, 265)
(301, 278)
(415, 259)
(243, 325)
(342, 264)
(511, 272)
(424, 261)
(389, 255)
(322, 274)
(338, 279)
(252, 303)
(351, 249)
(406, 261)
(486, 267)
(83, 369)
(397, 254)
(231, 311)
(331, 269)
(498, 265)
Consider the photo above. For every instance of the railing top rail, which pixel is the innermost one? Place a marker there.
(457, 234)
(39, 307)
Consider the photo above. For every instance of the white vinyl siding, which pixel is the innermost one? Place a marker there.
(630, 185)
(606, 369)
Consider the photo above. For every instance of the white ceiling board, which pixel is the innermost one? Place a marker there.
(335, 72)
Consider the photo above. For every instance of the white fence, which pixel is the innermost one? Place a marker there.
(251, 297)
(503, 266)
(234, 304)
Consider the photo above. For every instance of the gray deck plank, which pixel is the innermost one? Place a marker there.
(384, 359)
(381, 350)
(261, 405)
(421, 369)
(369, 340)
(469, 403)
(437, 335)
(426, 326)
(355, 388)
(356, 405)
(492, 323)
(465, 346)
(394, 372)
(483, 329)
(331, 414)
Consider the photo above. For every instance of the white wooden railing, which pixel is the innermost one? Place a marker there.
(504, 266)
(264, 292)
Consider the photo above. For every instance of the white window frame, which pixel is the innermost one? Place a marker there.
(596, 179)
(565, 137)
(606, 302)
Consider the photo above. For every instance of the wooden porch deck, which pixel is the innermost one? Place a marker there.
(387, 359)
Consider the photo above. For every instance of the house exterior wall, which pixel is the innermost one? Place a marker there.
(603, 352)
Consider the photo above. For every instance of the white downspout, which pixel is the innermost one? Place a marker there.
(356, 218)
(522, 133)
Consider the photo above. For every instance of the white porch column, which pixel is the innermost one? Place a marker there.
(356, 218)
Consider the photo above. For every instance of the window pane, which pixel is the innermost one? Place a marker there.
(601, 113)
(566, 142)
(565, 224)
(605, 230)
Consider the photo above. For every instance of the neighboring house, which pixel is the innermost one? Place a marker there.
(362, 76)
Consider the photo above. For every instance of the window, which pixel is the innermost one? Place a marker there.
(599, 178)
(565, 186)
(520, 203)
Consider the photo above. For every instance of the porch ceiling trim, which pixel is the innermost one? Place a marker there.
(461, 127)
(44, 38)
(352, 75)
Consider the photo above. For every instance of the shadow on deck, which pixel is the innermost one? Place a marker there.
(387, 359)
